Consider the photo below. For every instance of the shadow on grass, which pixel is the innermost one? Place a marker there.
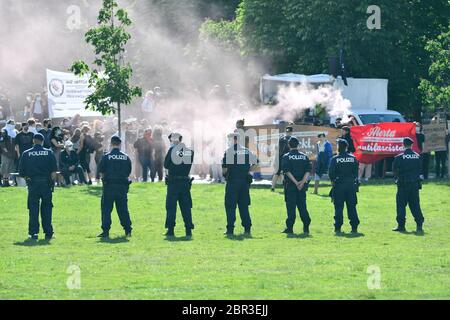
(33, 243)
(117, 240)
(92, 191)
(349, 235)
(298, 236)
(239, 237)
(178, 239)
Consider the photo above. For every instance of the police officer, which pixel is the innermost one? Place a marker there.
(178, 163)
(115, 169)
(283, 148)
(236, 165)
(343, 173)
(38, 167)
(296, 168)
(407, 168)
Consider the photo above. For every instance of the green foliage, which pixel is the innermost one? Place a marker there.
(109, 77)
(224, 34)
(301, 35)
(436, 89)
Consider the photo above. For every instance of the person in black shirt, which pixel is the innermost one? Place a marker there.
(347, 137)
(38, 167)
(343, 173)
(296, 167)
(424, 156)
(144, 147)
(178, 163)
(115, 169)
(69, 164)
(282, 149)
(236, 164)
(407, 168)
(46, 131)
(23, 140)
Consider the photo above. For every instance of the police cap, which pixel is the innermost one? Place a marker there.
(408, 141)
(175, 137)
(38, 137)
(116, 140)
(293, 142)
(342, 142)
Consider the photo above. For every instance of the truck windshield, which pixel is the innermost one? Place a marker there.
(377, 118)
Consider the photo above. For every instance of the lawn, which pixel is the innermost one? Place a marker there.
(269, 265)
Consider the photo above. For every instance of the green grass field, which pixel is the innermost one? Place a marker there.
(269, 265)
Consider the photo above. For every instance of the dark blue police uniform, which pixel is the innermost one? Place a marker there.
(343, 172)
(36, 166)
(178, 162)
(238, 160)
(115, 168)
(298, 164)
(407, 169)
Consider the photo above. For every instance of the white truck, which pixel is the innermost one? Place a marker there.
(369, 97)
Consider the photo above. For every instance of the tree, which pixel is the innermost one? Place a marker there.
(436, 89)
(111, 76)
(301, 35)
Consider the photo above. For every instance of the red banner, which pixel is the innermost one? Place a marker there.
(375, 142)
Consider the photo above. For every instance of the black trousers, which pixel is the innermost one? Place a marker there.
(296, 199)
(345, 194)
(115, 194)
(66, 173)
(40, 199)
(425, 164)
(440, 158)
(179, 192)
(237, 194)
(408, 194)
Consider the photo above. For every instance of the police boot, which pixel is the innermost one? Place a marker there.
(288, 231)
(337, 230)
(188, 232)
(399, 229)
(128, 234)
(354, 230)
(419, 229)
(306, 229)
(49, 237)
(229, 232)
(170, 232)
(33, 237)
(248, 231)
(103, 235)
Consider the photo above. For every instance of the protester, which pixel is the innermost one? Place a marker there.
(70, 165)
(324, 153)
(159, 152)
(8, 156)
(425, 156)
(84, 151)
(144, 148)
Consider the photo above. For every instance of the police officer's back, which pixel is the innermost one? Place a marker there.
(38, 166)
(407, 169)
(236, 164)
(115, 169)
(296, 167)
(343, 172)
(178, 163)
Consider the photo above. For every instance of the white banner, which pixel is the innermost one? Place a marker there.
(66, 95)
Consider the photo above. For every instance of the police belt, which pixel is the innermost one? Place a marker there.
(39, 180)
(340, 180)
(178, 178)
(116, 181)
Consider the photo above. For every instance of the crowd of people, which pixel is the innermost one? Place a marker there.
(79, 146)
